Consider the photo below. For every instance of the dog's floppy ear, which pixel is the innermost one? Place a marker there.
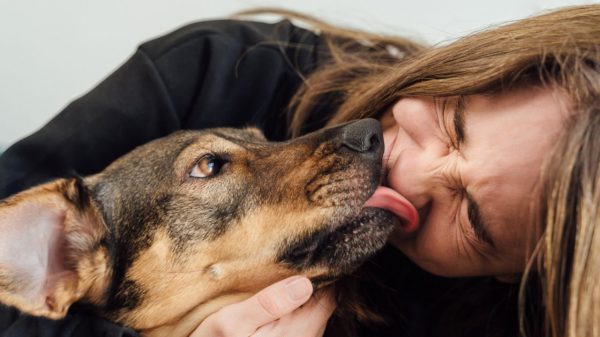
(50, 254)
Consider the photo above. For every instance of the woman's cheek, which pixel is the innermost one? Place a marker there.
(435, 247)
(431, 249)
(425, 257)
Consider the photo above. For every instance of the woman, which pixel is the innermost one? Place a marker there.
(491, 140)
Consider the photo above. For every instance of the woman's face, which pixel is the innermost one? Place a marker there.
(472, 173)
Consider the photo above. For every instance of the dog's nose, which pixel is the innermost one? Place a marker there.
(364, 136)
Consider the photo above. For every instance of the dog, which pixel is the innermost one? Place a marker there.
(184, 225)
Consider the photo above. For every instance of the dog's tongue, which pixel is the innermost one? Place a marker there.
(388, 199)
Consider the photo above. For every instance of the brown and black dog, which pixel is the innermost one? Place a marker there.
(189, 223)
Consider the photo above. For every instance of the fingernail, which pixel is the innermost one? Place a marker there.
(298, 288)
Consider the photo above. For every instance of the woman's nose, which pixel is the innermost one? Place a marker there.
(412, 182)
(416, 172)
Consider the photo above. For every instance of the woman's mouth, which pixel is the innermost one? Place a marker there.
(392, 201)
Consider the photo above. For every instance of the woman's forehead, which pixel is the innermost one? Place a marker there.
(540, 109)
(507, 140)
(512, 135)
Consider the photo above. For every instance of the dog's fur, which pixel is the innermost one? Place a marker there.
(149, 246)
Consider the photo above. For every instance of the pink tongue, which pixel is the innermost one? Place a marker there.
(388, 199)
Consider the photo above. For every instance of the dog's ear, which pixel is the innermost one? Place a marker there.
(50, 251)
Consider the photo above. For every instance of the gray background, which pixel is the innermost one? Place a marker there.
(53, 51)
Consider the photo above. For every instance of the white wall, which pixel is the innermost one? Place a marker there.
(53, 51)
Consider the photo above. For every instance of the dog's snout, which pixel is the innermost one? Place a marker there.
(363, 136)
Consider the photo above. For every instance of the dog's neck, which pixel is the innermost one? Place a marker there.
(186, 325)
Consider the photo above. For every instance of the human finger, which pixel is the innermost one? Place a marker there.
(268, 305)
(308, 321)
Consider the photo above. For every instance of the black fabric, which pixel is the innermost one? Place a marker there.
(208, 74)
(417, 304)
(13, 324)
(211, 74)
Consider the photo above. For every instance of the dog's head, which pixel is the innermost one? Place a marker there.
(191, 222)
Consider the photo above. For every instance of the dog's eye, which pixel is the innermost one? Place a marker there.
(207, 166)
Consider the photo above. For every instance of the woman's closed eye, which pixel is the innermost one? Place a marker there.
(451, 117)
(475, 221)
(461, 213)
(468, 213)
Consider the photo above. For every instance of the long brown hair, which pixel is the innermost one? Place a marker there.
(560, 48)
(570, 202)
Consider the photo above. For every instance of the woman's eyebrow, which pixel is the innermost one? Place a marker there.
(459, 119)
(476, 221)
(473, 213)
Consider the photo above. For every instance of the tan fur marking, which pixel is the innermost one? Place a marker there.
(181, 290)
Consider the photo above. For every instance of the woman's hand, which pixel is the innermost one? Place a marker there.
(274, 311)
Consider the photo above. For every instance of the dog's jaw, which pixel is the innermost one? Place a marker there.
(185, 325)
